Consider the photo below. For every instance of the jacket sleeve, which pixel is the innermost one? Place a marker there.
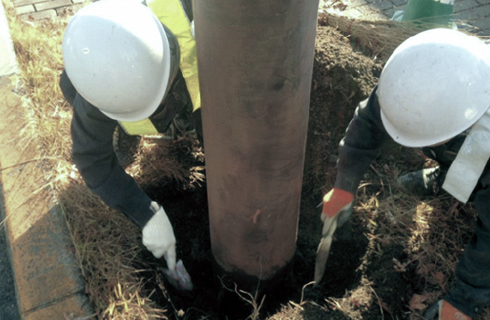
(94, 156)
(361, 144)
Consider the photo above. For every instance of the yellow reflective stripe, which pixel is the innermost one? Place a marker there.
(141, 127)
(171, 13)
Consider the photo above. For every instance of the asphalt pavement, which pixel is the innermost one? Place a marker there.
(8, 295)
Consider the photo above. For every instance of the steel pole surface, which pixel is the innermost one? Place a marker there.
(255, 67)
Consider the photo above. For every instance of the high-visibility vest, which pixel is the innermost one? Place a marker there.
(172, 14)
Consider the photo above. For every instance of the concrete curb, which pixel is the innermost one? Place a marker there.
(48, 280)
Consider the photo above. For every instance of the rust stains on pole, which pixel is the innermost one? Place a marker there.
(255, 68)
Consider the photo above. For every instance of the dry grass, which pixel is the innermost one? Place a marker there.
(432, 232)
(107, 245)
(159, 159)
(380, 37)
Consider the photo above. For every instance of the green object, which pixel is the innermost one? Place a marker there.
(429, 11)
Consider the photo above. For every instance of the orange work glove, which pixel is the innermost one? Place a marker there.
(337, 208)
(443, 310)
(337, 204)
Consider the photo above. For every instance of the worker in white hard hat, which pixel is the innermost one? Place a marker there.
(433, 93)
(132, 67)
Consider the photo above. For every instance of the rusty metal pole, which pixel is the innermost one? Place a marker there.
(255, 68)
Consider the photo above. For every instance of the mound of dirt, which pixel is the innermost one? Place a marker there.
(368, 276)
(342, 77)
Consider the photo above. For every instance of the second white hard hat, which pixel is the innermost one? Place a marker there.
(117, 56)
(434, 86)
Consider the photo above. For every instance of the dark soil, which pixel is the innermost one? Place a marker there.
(342, 77)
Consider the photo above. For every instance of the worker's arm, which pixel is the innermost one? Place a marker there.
(96, 161)
(361, 144)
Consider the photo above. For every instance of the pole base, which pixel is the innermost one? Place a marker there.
(240, 294)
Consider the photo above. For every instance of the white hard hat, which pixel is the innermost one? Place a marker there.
(117, 56)
(435, 85)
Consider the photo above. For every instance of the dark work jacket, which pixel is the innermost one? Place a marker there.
(362, 143)
(364, 138)
(93, 153)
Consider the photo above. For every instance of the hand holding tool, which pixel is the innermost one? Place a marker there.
(159, 238)
(443, 310)
(337, 209)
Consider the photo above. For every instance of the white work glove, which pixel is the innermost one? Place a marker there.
(158, 236)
